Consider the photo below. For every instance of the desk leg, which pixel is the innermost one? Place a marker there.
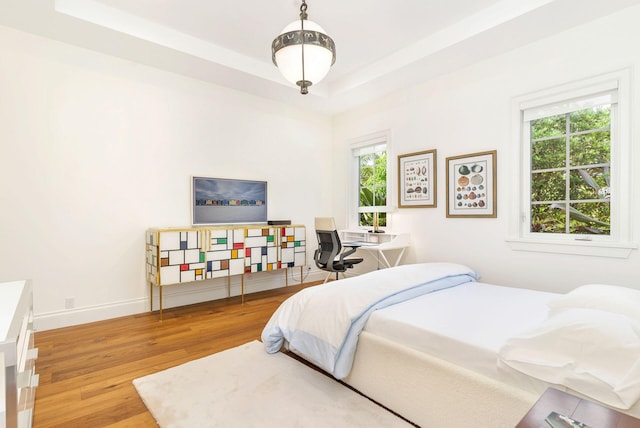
(242, 289)
(383, 259)
(150, 296)
(286, 277)
(228, 285)
(400, 256)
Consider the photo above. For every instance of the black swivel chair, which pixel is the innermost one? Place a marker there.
(329, 255)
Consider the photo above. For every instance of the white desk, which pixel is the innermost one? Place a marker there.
(383, 246)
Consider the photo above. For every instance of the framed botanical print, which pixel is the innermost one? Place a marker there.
(417, 180)
(471, 185)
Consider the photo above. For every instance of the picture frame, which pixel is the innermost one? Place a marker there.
(417, 187)
(471, 185)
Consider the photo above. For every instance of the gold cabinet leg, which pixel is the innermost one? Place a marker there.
(160, 302)
(242, 290)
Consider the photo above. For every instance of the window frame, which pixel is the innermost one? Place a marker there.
(609, 98)
(382, 137)
(619, 243)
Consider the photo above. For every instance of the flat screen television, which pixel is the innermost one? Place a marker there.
(227, 201)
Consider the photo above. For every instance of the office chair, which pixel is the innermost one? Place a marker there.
(328, 255)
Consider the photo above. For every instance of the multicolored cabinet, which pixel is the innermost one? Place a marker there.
(179, 255)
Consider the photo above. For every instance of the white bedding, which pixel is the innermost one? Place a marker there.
(322, 323)
(590, 343)
(465, 325)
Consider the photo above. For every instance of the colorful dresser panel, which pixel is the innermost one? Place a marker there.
(225, 252)
(151, 251)
(176, 256)
(293, 247)
(181, 257)
(261, 251)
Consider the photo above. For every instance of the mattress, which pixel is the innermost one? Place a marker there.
(466, 325)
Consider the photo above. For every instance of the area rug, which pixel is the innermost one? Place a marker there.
(246, 387)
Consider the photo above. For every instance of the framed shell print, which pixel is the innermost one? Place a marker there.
(471, 185)
(417, 180)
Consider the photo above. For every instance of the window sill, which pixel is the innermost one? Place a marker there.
(589, 248)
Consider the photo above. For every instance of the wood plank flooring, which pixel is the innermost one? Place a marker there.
(86, 370)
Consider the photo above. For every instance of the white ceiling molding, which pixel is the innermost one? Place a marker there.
(382, 46)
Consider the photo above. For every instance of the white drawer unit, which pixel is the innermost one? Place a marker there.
(17, 354)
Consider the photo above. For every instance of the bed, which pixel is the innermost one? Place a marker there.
(431, 343)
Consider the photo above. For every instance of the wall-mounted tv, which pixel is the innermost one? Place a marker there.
(228, 201)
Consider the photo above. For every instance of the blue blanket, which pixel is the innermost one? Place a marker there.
(322, 323)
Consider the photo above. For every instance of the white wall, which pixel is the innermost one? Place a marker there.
(96, 149)
(469, 111)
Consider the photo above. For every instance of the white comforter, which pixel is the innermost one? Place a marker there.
(322, 323)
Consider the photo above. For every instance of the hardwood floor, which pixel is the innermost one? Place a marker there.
(86, 370)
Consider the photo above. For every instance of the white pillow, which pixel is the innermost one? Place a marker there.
(610, 298)
(593, 352)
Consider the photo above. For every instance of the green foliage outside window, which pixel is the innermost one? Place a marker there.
(373, 186)
(570, 172)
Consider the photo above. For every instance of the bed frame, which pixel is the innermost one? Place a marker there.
(432, 392)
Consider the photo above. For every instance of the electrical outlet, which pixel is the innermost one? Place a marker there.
(69, 302)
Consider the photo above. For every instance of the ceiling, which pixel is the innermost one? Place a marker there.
(382, 45)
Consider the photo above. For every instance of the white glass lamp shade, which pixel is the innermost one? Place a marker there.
(319, 52)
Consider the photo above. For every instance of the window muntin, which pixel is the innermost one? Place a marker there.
(570, 172)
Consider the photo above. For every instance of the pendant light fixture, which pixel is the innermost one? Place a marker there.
(303, 52)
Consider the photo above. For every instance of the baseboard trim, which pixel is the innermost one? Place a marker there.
(173, 296)
(87, 314)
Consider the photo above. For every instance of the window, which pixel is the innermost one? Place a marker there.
(573, 190)
(570, 174)
(370, 171)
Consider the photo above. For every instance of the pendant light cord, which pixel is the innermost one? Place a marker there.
(303, 17)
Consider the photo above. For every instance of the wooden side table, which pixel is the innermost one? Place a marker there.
(585, 411)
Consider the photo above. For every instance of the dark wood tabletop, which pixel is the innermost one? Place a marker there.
(592, 414)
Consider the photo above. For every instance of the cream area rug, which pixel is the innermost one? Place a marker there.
(246, 387)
